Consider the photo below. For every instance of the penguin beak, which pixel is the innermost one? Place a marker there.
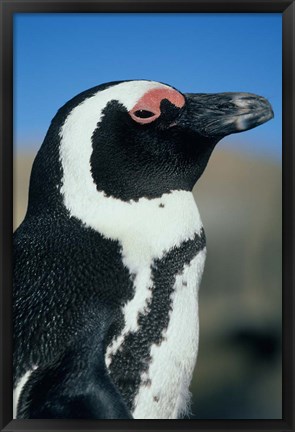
(220, 114)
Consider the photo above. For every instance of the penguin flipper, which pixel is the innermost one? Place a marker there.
(72, 389)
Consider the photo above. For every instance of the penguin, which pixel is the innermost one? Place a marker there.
(110, 255)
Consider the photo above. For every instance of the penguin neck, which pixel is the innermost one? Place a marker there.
(144, 228)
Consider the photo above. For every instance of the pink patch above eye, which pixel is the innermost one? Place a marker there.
(151, 102)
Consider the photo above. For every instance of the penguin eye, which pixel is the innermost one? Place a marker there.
(143, 114)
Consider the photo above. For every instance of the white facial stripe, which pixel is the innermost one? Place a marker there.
(78, 187)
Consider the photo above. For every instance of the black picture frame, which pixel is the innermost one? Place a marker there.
(8, 8)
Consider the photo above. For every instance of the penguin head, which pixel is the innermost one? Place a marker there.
(141, 139)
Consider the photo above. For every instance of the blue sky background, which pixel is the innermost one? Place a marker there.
(59, 55)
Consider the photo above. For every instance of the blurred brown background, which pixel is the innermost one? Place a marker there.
(238, 373)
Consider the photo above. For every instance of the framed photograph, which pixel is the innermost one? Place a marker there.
(147, 239)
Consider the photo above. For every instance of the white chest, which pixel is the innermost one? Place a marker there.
(146, 230)
(154, 229)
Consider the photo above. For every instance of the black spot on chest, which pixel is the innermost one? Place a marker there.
(133, 357)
